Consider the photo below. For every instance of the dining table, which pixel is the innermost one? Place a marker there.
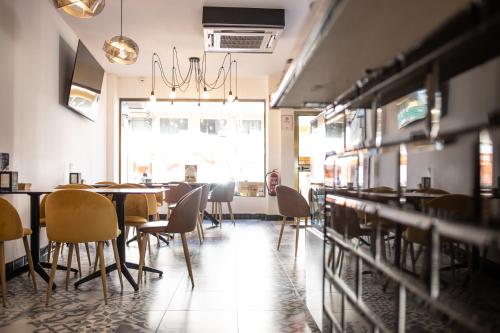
(119, 195)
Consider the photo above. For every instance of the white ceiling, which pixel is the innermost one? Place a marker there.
(158, 25)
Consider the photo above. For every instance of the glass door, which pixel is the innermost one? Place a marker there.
(304, 151)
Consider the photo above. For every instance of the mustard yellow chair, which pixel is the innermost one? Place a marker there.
(11, 228)
(76, 246)
(105, 183)
(74, 216)
(152, 209)
(136, 209)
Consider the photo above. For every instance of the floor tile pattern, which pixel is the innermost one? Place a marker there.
(242, 284)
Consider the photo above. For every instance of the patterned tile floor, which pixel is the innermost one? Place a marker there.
(242, 284)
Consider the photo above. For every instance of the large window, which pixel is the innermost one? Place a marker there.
(162, 141)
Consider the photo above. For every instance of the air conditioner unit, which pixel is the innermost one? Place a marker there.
(245, 30)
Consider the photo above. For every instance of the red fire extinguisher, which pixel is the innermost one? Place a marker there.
(272, 180)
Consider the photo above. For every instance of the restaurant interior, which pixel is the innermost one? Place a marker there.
(250, 166)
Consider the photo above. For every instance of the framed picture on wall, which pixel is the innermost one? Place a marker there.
(412, 107)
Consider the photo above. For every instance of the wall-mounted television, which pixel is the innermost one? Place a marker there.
(86, 82)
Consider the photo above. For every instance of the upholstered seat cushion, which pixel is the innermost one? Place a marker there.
(154, 227)
(27, 231)
(135, 220)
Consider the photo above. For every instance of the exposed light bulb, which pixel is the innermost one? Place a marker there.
(172, 94)
(205, 93)
(230, 97)
(152, 98)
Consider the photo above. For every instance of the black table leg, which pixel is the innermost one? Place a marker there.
(58, 267)
(145, 268)
(35, 236)
(163, 239)
(210, 217)
(120, 212)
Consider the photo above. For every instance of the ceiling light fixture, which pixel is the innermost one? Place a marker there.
(121, 49)
(81, 8)
(196, 74)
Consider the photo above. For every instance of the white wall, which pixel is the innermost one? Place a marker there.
(41, 135)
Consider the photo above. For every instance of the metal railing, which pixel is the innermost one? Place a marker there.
(428, 292)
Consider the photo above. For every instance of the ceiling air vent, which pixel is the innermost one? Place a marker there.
(247, 30)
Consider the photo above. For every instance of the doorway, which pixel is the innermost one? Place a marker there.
(304, 150)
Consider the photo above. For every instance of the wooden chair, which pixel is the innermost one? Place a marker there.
(76, 246)
(454, 206)
(74, 216)
(176, 190)
(106, 183)
(345, 221)
(292, 204)
(223, 192)
(11, 228)
(182, 220)
(205, 191)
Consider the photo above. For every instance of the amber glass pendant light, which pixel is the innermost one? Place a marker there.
(121, 49)
(81, 8)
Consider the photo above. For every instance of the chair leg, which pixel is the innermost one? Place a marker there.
(198, 230)
(127, 229)
(452, 259)
(200, 221)
(102, 266)
(49, 249)
(88, 253)
(149, 243)
(281, 232)
(30, 260)
(412, 256)
(117, 262)
(403, 255)
(68, 265)
(297, 229)
(2, 274)
(77, 251)
(52, 272)
(220, 212)
(231, 212)
(96, 260)
(186, 256)
(157, 240)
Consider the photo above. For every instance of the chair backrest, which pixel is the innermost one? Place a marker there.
(10, 222)
(205, 191)
(431, 191)
(346, 221)
(76, 216)
(74, 186)
(106, 183)
(184, 215)
(223, 192)
(176, 191)
(42, 206)
(152, 207)
(135, 204)
(454, 206)
(379, 189)
(291, 203)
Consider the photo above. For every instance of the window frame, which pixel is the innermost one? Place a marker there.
(120, 124)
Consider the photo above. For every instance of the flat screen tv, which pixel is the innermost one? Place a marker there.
(86, 82)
